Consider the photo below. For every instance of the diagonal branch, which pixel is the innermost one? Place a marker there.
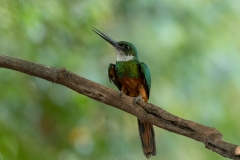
(143, 111)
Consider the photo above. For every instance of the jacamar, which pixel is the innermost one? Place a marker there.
(132, 78)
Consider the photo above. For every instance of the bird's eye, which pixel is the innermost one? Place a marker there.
(126, 47)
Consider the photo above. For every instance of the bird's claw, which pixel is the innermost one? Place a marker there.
(136, 99)
(120, 94)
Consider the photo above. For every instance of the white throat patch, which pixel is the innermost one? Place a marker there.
(121, 57)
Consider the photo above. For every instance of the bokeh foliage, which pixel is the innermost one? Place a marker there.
(191, 47)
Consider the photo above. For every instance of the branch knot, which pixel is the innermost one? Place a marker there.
(61, 73)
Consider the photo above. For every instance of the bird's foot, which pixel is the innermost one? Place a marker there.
(120, 94)
(136, 99)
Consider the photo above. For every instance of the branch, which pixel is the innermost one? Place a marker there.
(143, 111)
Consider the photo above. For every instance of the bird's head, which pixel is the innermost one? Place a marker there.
(125, 50)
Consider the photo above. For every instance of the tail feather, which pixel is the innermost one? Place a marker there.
(147, 136)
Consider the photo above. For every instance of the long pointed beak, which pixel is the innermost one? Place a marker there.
(108, 39)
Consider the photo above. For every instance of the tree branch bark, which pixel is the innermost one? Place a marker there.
(143, 111)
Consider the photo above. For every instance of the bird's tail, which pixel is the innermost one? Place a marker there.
(147, 136)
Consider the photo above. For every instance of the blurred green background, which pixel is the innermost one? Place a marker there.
(192, 50)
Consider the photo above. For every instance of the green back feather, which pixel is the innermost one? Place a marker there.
(147, 76)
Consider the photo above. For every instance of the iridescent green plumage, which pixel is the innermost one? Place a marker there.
(128, 68)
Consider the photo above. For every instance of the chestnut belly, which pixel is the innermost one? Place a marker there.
(130, 86)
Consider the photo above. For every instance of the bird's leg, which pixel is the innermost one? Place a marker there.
(123, 91)
(142, 94)
(120, 94)
(136, 99)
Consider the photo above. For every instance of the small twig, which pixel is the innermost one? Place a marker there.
(144, 111)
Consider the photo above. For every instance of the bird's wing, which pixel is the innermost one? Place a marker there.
(112, 76)
(147, 77)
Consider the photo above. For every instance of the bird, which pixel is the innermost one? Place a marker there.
(132, 78)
